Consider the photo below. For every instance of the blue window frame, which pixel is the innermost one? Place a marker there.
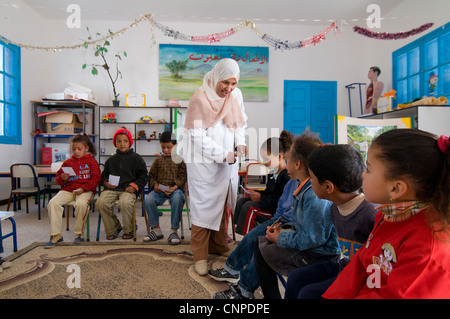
(423, 66)
(10, 94)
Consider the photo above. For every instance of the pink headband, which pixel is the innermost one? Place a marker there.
(443, 142)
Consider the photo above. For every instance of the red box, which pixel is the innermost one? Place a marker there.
(47, 156)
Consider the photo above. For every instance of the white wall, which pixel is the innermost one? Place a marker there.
(343, 58)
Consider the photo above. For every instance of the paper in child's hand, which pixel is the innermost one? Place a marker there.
(114, 180)
(245, 191)
(68, 170)
(163, 187)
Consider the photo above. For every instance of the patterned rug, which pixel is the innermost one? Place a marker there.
(106, 271)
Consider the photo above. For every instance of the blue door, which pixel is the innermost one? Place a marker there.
(310, 103)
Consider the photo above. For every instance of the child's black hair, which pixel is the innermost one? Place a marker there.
(415, 154)
(280, 144)
(85, 140)
(342, 165)
(167, 137)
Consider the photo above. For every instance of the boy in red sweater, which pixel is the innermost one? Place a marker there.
(79, 185)
(407, 254)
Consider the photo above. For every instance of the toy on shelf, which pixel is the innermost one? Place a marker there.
(142, 135)
(109, 118)
(145, 119)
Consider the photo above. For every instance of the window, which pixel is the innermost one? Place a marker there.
(423, 67)
(10, 94)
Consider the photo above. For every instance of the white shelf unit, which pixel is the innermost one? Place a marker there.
(127, 116)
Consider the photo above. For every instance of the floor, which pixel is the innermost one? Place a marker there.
(30, 229)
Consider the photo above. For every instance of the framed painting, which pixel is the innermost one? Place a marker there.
(182, 68)
(360, 132)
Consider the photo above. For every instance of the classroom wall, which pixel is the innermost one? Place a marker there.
(344, 58)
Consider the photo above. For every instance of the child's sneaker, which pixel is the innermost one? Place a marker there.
(232, 293)
(79, 239)
(221, 274)
(53, 241)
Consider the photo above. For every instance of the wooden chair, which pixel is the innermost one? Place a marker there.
(9, 216)
(20, 171)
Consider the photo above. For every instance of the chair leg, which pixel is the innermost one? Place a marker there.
(87, 227)
(66, 208)
(9, 201)
(14, 233)
(98, 226)
(134, 221)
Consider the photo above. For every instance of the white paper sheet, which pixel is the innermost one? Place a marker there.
(113, 179)
(163, 187)
(69, 170)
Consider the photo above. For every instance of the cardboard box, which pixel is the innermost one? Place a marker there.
(46, 155)
(63, 122)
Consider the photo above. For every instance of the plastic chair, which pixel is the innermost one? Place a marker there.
(258, 170)
(9, 216)
(21, 171)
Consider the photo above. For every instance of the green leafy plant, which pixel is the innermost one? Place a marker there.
(101, 50)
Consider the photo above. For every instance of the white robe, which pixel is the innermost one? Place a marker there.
(210, 179)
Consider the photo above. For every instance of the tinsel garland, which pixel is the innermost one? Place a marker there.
(391, 36)
(276, 43)
(177, 35)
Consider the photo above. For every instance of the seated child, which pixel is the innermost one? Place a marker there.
(407, 254)
(80, 188)
(167, 180)
(272, 151)
(336, 175)
(310, 214)
(132, 170)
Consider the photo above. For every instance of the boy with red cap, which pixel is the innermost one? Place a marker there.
(131, 170)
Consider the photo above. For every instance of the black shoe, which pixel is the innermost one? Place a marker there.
(232, 293)
(221, 274)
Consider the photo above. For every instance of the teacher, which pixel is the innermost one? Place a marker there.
(215, 123)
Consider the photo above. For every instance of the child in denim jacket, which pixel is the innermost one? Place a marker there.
(311, 238)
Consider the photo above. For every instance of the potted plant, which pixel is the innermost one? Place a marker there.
(101, 50)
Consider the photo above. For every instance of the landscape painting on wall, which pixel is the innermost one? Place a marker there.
(182, 68)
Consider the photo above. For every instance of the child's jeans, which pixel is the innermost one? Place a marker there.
(153, 200)
(105, 204)
(56, 206)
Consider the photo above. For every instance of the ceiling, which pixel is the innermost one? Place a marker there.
(213, 11)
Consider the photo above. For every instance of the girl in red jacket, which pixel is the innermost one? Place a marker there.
(79, 177)
(407, 254)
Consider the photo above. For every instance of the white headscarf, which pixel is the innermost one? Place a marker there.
(207, 107)
(225, 69)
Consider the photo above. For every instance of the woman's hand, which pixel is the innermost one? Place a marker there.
(231, 158)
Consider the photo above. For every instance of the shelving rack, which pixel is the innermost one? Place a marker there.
(42, 105)
(132, 114)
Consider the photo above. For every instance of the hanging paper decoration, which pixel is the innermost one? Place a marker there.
(177, 35)
(391, 36)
